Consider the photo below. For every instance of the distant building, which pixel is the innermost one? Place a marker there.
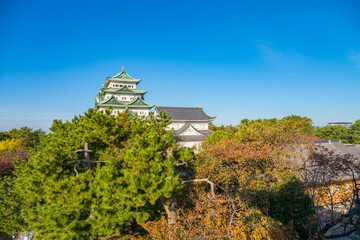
(121, 94)
(345, 124)
(191, 125)
(336, 187)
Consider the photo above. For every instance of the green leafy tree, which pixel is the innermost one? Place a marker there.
(354, 132)
(29, 138)
(307, 126)
(104, 193)
(334, 133)
(4, 135)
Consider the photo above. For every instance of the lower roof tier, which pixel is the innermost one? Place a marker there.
(138, 102)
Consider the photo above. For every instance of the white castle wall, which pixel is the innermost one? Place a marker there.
(119, 85)
(198, 125)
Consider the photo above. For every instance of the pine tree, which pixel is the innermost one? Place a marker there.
(96, 176)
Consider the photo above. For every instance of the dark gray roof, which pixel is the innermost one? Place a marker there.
(206, 132)
(191, 138)
(185, 113)
(339, 147)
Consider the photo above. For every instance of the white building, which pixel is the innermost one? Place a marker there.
(191, 125)
(121, 94)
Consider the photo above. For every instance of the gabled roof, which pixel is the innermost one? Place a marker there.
(121, 77)
(139, 103)
(123, 89)
(112, 101)
(187, 127)
(185, 113)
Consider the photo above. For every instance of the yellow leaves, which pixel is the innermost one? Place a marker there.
(10, 145)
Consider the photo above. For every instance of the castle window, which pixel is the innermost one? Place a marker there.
(123, 98)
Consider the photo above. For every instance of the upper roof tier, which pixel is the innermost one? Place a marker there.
(123, 89)
(121, 77)
(185, 113)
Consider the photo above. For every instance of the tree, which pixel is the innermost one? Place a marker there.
(29, 138)
(250, 168)
(333, 133)
(10, 145)
(354, 132)
(96, 176)
(4, 135)
(216, 219)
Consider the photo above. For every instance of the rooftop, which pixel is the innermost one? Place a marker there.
(185, 113)
(122, 77)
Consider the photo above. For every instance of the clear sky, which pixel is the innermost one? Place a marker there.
(236, 59)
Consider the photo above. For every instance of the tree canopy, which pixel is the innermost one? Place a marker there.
(349, 134)
(102, 193)
(100, 176)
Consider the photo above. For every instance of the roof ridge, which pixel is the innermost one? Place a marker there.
(186, 125)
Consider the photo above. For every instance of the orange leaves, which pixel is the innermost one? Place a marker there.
(210, 219)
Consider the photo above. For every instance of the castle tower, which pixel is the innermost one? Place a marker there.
(121, 94)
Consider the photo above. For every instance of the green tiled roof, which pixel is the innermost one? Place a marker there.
(123, 89)
(122, 77)
(139, 103)
(112, 101)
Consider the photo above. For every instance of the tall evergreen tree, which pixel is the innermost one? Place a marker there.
(96, 176)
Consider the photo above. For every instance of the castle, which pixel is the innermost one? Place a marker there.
(121, 94)
(190, 125)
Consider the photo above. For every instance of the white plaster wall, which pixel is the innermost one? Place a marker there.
(127, 97)
(114, 111)
(119, 85)
(123, 97)
(201, 125)
(189, 144)
(175, 125)
(140, 112)
(197, 125)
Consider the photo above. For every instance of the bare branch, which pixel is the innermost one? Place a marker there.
(181, 164)
(82, 150)
(212, 185)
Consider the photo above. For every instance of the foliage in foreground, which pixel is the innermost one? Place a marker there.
(58, 194)
(257, 193)
(132, 176)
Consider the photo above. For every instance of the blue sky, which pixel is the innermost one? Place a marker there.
(236, 59)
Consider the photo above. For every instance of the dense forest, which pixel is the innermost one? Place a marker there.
(123, 177)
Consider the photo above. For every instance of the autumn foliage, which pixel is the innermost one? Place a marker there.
(258, 195)
(216, 219)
